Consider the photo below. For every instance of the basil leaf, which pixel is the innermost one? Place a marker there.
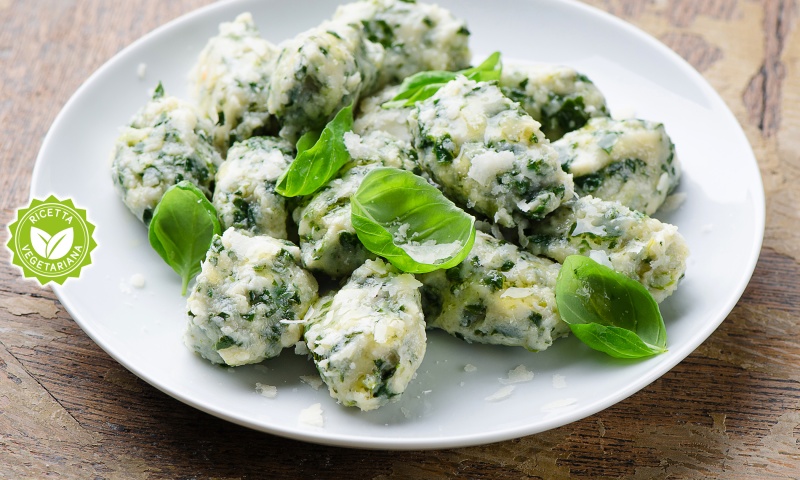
(424, 78)
(306, 141)
(423, 85)
(615, 341)
(181, 229)
(609, 311)
(401, 217)
(316, 165)
(490, 69)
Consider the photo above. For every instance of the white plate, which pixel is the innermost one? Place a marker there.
(722, 220)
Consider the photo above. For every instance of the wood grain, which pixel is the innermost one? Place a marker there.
(730, 410)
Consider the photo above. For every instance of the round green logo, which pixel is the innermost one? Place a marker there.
(51, 240)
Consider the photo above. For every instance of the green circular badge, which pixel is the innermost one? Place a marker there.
(51, 240)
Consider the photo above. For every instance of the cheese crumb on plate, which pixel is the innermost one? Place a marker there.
(312, 381)
(269, 391)
(517, 375)
(312, 416)
(501, 394)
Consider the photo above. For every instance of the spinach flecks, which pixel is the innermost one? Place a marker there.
(224, 342)
(158, 92)
(622, 169)
(379, 31)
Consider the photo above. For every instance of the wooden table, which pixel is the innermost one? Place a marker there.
(730, 410)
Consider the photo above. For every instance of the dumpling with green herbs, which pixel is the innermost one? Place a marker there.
(368, 340)
(167, 141)
(372, 118)
(382, 134)
(380, 148)
(249, 299)
(629, 161)
(230, 82)
(415, 36)
(328, 241)
(630, 242)
(245, 195)
(558, 97)
(318, 73)
(498, 295)
(488, 154)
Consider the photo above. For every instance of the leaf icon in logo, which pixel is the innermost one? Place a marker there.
(60, 244)
(39, 239)
(52, 247)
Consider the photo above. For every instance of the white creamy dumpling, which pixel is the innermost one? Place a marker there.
(416, 37)
(558, 97)
(630, 242)
(230, 82)
(318, 73)
(328, 241)
(382, 134)
(249, 299)
(245, 195)
(380, 148)
(372, 117)
(488, 154)
(498, 295)
(630, 161)
(368, 339)
(166, 142)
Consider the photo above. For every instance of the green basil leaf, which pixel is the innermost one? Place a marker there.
(401, 217)
(316, 165)
(490, 69)
(609, 311)
(424, 78)
(424, 85)
(181, 229)
(307, 141)
(414, 96)
(615, 341)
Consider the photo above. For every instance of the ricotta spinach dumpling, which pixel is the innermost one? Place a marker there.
(318, 73)
(632, 162)
(380, 148)
(416, 37)
(382, 134)
(328, 240)
(488, 154)
(630, 242)
(230, 82)
(249, 299)
(558, 97)
(372, 118)
(166, 142)
(368, 339)
(498, 295)
(245, 195)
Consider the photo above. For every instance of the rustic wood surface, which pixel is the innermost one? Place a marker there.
(730, 410)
